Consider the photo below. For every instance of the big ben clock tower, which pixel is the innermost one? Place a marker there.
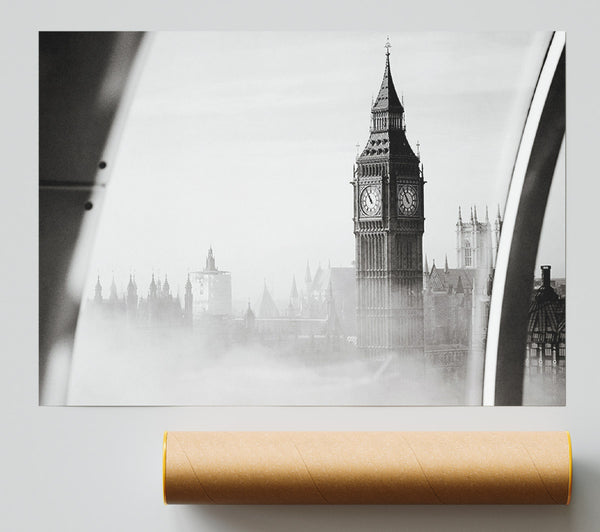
(388, 227)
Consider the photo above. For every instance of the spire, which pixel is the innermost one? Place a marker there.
(498, 227)
(267, 308)
(446, 263)
(387, 98)
(487, 218)
(307, 276)
(294, 305)
(459, 217)
(165, 287)
(249, 319)
(132, 298)
(475, 213)
(210, 261)
(294, 290)
(152, 288)
(131, 288)
(472, 219)
(498, 216)
(113, 289)
(188, 284)
(249, 313)
(426, 269)
(387, 127)
(98, 290)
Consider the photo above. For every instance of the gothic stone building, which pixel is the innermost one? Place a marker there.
(457, 300)
(321, 316)
(160, 308)
(388, 229)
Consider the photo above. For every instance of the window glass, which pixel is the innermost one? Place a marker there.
(252, 248)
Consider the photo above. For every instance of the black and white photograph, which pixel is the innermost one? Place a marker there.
(302, 218)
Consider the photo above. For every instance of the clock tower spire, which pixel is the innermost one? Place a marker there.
(388, 229)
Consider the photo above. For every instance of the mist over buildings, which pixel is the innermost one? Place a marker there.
(241, 255)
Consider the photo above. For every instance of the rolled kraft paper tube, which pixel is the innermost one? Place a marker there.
(367, 467)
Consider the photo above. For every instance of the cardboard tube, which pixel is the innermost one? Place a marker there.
(367, 467)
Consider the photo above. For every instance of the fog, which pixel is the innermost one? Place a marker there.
(115, 364)
(245, 141)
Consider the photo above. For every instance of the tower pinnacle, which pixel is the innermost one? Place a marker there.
(387, 129)
(210, 261)
(387, 97)
(98, 290)
(307, 276)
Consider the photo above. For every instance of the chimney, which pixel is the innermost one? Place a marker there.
(546, 276)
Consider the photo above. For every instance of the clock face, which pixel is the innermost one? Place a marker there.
(370, 200)
(408, 200)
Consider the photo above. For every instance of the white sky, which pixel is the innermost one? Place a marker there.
(246, 140)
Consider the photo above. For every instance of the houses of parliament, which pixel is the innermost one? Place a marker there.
(390, 302)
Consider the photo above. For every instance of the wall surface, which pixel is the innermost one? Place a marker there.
(97, 469)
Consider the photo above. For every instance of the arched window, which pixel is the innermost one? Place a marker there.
(468, 254)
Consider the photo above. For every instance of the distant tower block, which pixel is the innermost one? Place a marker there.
(474, 248)
(211, 290)
(388, 229)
